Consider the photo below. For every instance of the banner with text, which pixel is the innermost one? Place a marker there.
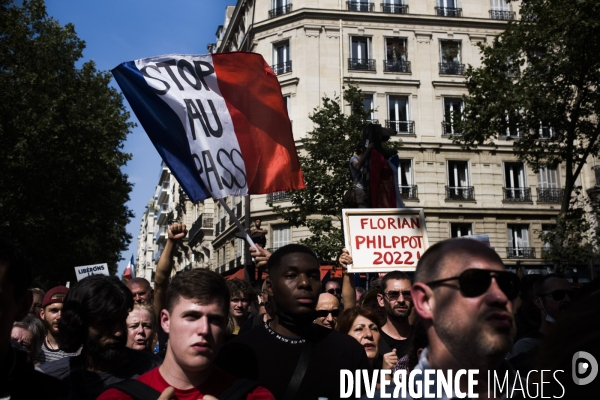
(384, 239)
(88, 270)
(219, 121)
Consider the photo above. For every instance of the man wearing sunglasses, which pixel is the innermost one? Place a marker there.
(552, 296)
(334, 288)
(464, 296)
(328, 309)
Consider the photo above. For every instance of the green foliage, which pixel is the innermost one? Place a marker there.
(62, 130)
(325, 165)
(539, 81)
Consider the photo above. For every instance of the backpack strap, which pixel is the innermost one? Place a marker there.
(136, 389)
(301, 367)
(239, 390)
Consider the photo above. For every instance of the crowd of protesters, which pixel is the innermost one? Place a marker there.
(196, 335)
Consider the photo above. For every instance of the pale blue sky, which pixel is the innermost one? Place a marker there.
(126, 30)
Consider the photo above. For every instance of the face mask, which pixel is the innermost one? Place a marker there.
(549, 317)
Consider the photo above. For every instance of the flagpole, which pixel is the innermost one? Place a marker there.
(237, 222)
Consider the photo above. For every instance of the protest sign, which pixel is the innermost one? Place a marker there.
(88, 270)
(384, 239)
(218, 121)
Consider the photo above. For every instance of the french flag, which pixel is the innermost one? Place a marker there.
(384, 186)
(217, 120)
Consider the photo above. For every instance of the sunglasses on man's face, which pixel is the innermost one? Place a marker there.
(334, 291)
(394, 295)
(559, 294)
(475, 282)
(325, 313)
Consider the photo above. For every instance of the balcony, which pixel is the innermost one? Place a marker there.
(449, 129)
(502, 15)
(550, 195)
(394, 8)
(460, 193)
(452, 68)
(276, 12)
(163, 193)
(161, 234)
(360, 6)
(278, 196)
(517, 195)
(520, 252)
(163, 212)
(282, 68)
(361, 64)
(396, 66)
(409, 192)
(448, 12)
(401, 127)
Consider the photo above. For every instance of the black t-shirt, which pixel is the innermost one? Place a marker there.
(388, 343)
(269, 358)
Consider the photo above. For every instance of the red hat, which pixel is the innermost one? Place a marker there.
(55, 295)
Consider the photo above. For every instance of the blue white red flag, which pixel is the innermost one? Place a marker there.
(217, 120)
(384, 185)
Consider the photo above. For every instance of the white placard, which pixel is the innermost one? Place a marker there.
(87, 270)
(384, 239)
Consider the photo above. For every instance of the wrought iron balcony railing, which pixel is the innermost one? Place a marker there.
(276, 12)
(448, 12)
(517, 194)
(452, 68)
(449, 129)
(282, 68)
(394, 8)
(360, 6)
(396, 66)
(409, 192)
(520, 252)
(278, 196)
(401, 127)
(460, 193)
(361, 64)
(504, 15)
(550, 195)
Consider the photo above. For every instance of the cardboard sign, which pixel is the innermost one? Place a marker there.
(384, 239)
(87, 270)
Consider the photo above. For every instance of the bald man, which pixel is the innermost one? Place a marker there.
(328, 309)
(141, 290)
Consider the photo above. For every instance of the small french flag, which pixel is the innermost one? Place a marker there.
(217, 120)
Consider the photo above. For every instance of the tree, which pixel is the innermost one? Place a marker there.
(325, 165)
(538, 84)
(62, 130)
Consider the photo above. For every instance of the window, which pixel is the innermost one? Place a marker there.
(518, 242)
(281, 236)
(511, 127)
(287, 100)
(500, 9)
(452, 112)
(405, 180)
(546, 131)
(394, 7)
(548, 190)
(460, 230)
(396, 55)
(281, 58)
(398, 115)
(514, 183)
(239, 248)
(359, 5)
(279, 7)
(458, 181)
(546, 229)
(368, 106)
(448, 8)
(450, 59)
(360, 52)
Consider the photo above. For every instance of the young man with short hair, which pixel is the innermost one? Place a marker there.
(195, 319)
(242, 296)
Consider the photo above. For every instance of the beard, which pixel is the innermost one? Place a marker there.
(395, 313)
(105, 354)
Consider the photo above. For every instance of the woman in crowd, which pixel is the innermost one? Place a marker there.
(141, 328)
(363, 325)
(29, 333)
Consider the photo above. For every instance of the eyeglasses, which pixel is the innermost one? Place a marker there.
(475, 282)
(325, 313)
(334, 291)
(394, 295)
(558, 295)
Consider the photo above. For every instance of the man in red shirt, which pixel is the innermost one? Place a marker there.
(195, 319)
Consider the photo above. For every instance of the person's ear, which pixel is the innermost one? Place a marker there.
(423, 300)
(380, 300)
(165, 320)
(24, 304)
(269, 286)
